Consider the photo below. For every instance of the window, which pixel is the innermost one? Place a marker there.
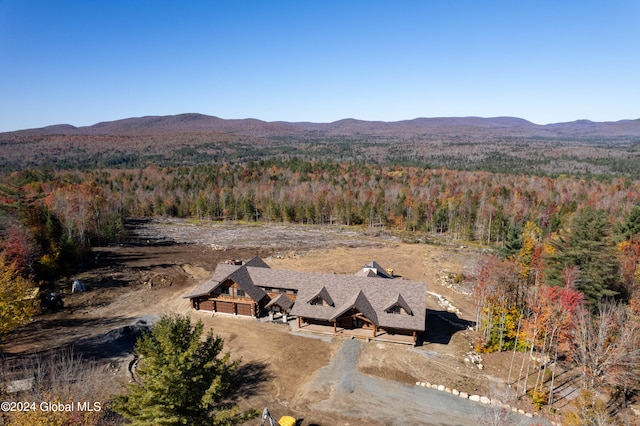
(225, 290)
(240, 293)
(395, 309)
(319, 301)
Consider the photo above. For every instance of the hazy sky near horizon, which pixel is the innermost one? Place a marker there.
(82, 62)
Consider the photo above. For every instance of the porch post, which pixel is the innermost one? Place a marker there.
(335, 327)
(375, 330)
(299, 322)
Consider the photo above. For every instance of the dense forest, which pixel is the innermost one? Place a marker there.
(562, 281)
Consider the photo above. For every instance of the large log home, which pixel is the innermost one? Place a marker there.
(368, 303)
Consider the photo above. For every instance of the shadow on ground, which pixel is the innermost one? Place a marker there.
(442, 325)
(249, 379)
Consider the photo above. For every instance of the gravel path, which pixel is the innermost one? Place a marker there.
(391, 403)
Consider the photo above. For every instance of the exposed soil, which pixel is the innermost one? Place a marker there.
(129, 286)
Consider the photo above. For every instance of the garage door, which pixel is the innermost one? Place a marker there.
(206, 305)
(224, 307)
(244, 309)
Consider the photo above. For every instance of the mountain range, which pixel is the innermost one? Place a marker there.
(499, 144)
(443, 126)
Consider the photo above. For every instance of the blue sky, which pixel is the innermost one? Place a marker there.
(82, 62)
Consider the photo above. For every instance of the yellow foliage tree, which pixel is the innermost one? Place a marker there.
(530, 239)
(587, 410)
(18, 301)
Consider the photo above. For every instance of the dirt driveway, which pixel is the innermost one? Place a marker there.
(147, 278)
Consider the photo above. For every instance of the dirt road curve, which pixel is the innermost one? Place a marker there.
(322, 381)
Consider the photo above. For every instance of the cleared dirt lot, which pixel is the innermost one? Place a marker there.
(286, 372)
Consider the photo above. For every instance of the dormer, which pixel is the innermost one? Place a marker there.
(399, 306)
(321, 298)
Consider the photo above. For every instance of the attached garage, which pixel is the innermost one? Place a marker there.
(244, 309)
(206, 305)
(225, 307)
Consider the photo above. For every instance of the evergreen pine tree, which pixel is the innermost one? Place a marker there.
(181, 380)
(513, 241)
(588, 245)
(631, 224)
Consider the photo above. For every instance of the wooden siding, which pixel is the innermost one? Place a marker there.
(393, 331)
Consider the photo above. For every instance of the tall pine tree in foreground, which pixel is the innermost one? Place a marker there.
(181, 379)
(587, 244)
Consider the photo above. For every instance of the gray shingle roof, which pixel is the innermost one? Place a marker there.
(371, 296)
(237, 274)
(257, 262)
(364, 272)
(222, 271)
(242, 278)
(360, 302)
(400, 302)
(281, 300)
(345, 290)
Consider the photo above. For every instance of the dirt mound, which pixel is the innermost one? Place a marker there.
(117, 342)
(196, 272)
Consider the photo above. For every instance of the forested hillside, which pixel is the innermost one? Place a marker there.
(503, 144)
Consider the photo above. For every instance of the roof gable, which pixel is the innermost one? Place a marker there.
(399, 301)
(281, 300)
(371, 296)
(222, 272)
(367, 273)
(257, 262)
(324, 295)
(243, 279)
(360, 302)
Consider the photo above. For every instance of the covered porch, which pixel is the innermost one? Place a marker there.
(367, 334)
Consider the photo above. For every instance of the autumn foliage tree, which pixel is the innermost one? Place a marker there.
(499, 294)
(19, 248)
(18, 301)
